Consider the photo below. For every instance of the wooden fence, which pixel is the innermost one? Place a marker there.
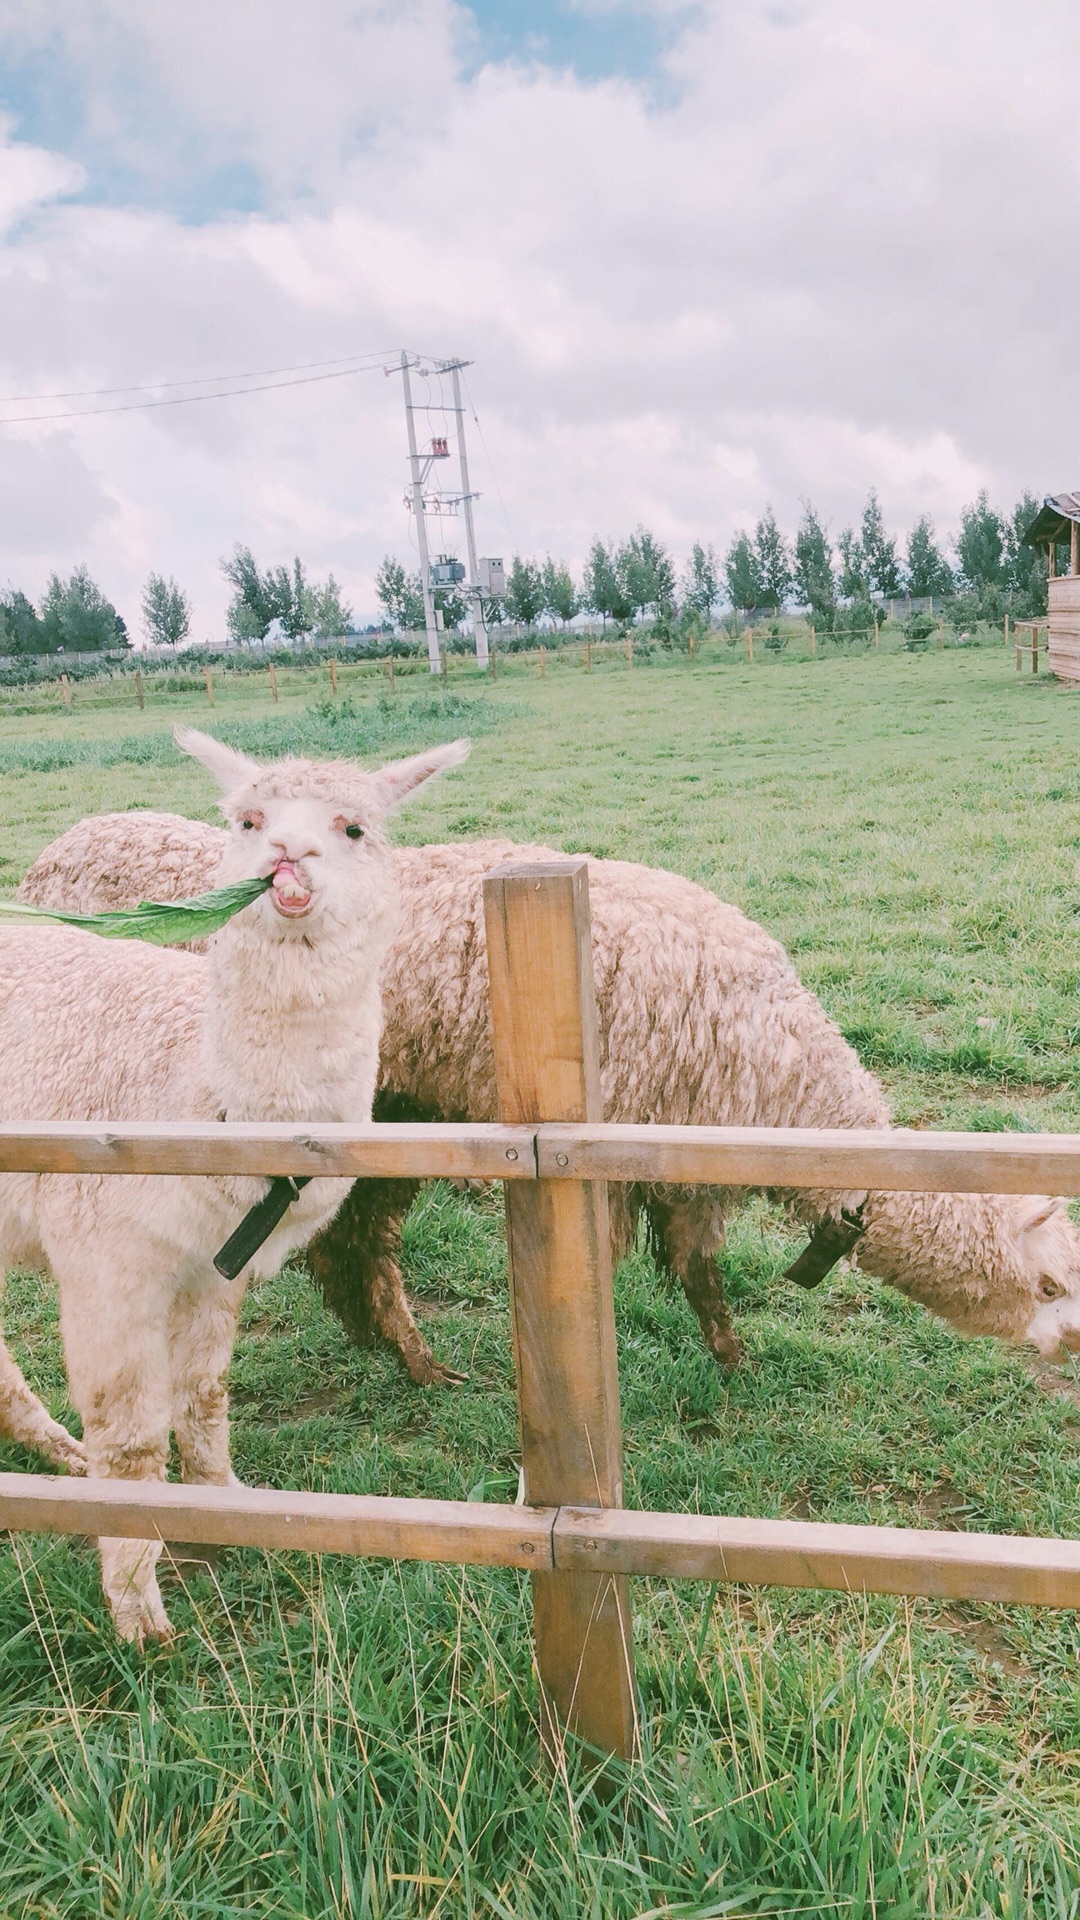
(556, 1157)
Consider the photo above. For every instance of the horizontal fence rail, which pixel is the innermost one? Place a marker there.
(840, 1159)
(788, 1553)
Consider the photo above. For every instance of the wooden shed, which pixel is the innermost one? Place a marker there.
(1057, 521)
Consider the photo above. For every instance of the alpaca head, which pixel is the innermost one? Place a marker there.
(315, 828)
(1049, 1248)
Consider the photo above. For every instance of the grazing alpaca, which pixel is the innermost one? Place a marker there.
(281, 1021)
(703, 1021)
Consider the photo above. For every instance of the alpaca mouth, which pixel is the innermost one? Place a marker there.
(292, 897)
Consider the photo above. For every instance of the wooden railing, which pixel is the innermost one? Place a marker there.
(556, 1156)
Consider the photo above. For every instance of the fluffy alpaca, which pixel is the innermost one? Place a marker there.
(703, 1021)
(280, 1022)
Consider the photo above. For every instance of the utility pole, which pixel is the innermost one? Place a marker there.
(434, 660)
(479, 628)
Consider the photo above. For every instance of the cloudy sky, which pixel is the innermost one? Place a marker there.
(704, 257)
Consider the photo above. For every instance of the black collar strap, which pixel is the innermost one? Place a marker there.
(258, 1224)
(828, 1244)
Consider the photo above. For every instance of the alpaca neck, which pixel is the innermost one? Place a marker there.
(292, 1025)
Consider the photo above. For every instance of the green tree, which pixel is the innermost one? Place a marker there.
(603, 591)
(77, 616)
(254, 601)
(560, 594)
(400, 595)
(329, 616)
(980, 545)
(21, 631)
(524, 591)
(1025, 567)
(166, 612)
(928, 570)
(773, 561)
(743, 575)
(854, 580)
(812, 573)
(700, 582)
(643, 567)
(879, 551)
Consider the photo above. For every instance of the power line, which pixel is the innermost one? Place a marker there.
(187, 399)
(196, 379)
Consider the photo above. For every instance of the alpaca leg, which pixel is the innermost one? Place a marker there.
(202, 1333)
(23, 1417)
(356, 1263)
(117, 1361)
(689, 1235)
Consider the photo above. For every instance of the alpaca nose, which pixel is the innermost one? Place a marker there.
(293, 845)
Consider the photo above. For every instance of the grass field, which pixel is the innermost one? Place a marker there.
(348, 1738)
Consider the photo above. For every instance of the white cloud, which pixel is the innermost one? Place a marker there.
(840, 256)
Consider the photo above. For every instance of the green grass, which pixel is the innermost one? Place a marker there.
(348, 1738)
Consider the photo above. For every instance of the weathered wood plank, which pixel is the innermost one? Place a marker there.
(543, 1017)
(889, 1160)
(463, 1531)
(404, 1151)
(806, 1553)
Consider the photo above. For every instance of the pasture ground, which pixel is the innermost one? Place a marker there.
(357, 1739)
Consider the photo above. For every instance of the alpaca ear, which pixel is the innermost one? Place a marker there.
(1042, 1210)
(399, 778)
(229, 768)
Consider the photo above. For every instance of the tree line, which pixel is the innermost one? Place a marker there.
(765, 571)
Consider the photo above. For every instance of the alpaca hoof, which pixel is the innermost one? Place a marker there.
(426, 1371)
(65, 1451)
(727, 1350)
(141, 1619)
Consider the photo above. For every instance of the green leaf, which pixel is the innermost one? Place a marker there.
(162, 922)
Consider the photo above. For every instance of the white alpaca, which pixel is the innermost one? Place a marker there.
(280, 1022)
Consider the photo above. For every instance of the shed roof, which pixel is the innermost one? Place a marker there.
(1054, 518)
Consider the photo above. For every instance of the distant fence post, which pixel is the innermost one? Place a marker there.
(333, 676)
(543, 661)
(629, 651)
(139, 694)
(65, 691)
(209, 678)
(813, 643)
(588, 656)
(750, 645)
(547, 1064)
(273, 682)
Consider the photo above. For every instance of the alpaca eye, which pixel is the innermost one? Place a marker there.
(1050, 1290)
(353, 832)
(247, 825)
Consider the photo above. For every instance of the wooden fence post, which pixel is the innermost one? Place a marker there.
(940, 635)
(877, 641)
(629, 651)
(390, 668)
(273, 682)
(209, 687)
(65, 692)
(1006, 630)
(543, 661)
(750, 645)
(547, 1065)
(333, 676)
(1034, 648)
(139, 694)
(813, 643)
(588, 656)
